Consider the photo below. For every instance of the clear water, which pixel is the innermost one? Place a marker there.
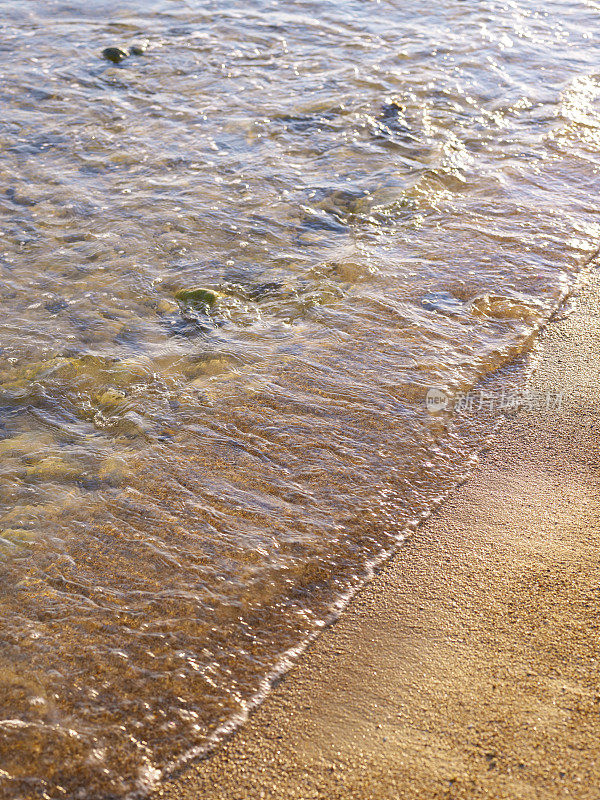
(382, 197)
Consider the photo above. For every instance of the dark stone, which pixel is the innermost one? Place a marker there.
(186, 325)
(114, 54)
(264, 290)
(19, 200)
(391, 111)
(139, 48)
(54, 306)
(320, 222)
(344, 204)
(90, 484)
(392, 125)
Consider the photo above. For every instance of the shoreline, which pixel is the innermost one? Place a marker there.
(467, 667)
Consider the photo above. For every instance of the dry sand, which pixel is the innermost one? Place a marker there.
(469, 667)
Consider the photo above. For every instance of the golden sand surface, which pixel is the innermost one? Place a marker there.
(469, 666)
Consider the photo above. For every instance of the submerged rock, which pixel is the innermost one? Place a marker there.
(31, 441)
(199, 297)
(55, 306)
(442, 302)
(263, 291)
(522, 308)
(114, 54)
(130, 372)
(186, 325)
(391, 111)
(165, 306)
(139, 48)
(111, 399)
(256, 291)
(17, 535)
(53, 468)
(114, 470)
(392, 125)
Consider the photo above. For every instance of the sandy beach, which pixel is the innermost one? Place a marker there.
(469, 666)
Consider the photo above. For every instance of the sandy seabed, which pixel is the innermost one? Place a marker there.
(470, 666)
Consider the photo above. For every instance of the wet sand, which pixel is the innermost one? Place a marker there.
(469, 667)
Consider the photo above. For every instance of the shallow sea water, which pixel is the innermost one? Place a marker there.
(376, 198)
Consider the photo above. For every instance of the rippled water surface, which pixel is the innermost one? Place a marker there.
(231, 267)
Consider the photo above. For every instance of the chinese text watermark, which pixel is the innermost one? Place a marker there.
(505, 400)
